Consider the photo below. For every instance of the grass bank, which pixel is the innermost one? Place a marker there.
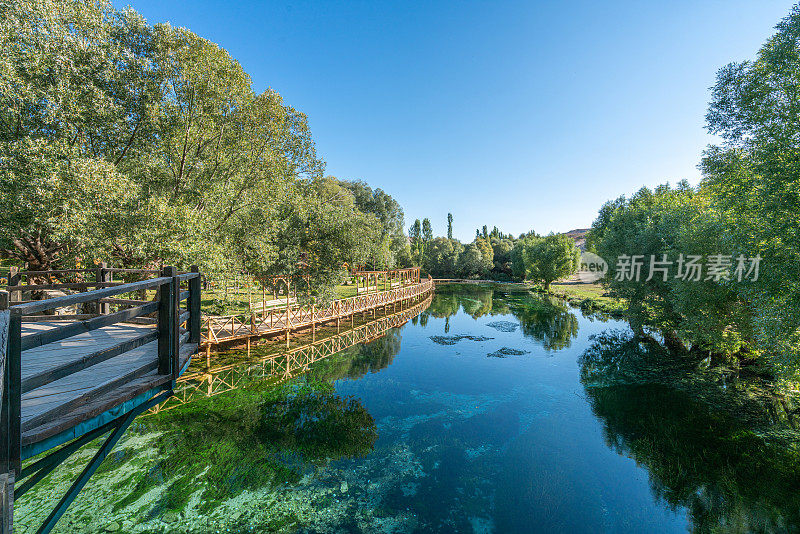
(588, 297)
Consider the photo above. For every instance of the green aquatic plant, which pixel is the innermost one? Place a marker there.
(507, 351)
(259, 437)
(452, 340)
(318, 425)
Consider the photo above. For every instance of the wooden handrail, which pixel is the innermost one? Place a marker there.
(301, 316)
(79, 298)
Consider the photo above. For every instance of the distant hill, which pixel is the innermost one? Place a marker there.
(579, 235)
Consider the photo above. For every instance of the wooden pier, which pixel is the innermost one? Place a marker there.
(69, 379)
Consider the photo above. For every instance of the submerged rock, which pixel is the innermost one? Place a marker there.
(452, 340)
(113, 527)
(507, 351)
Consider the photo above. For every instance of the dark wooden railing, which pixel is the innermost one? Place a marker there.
(62, 372)
(27, 283)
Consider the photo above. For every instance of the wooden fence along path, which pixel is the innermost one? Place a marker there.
(68, 379)
(285, 365)
(229, 328)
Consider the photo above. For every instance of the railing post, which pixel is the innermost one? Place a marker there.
(6, 470)
(195, 289)
(176, 324)
(14, 279)
(10, 419)
(102, 275)
(166, 322)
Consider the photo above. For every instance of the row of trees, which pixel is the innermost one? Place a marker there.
(746, 206)
(144, 144)
(494, 254)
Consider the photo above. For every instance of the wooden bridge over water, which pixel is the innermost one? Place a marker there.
(291, 318)
(70, 378)
(213, 380)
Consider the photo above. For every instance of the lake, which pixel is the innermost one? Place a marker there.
(495, 410)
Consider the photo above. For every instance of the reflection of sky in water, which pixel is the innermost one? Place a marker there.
(510, 444)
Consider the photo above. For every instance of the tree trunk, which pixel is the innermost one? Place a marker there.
(673, 342)
(37, 252)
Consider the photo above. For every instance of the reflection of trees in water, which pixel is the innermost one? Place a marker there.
(704, 445)
(476, 300)
(444, 304)
(359, 360)
(546, 320)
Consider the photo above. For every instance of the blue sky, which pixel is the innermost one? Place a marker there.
(524, 115)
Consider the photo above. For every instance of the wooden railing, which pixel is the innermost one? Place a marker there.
(44, 362)
(213, 381)
(25, 283)
(220, 329)
(373, 281)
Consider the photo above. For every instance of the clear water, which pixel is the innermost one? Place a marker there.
(481, 415)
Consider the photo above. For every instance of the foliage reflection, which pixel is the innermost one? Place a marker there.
(723, 449)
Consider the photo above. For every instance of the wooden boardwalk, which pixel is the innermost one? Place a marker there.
(67, 380)
(65, 402)
(214, 380)
(229, 328)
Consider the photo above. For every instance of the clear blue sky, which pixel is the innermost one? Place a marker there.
(524, 115)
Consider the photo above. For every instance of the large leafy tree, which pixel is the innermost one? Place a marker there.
(58, 83)
(551, 258)
(661, 226)
(442, 257)
(753, 179)
(390, 214)
(317, 229)
(145, 144)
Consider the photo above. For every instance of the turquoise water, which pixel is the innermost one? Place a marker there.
(494, 411)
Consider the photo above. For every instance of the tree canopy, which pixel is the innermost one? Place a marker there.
(745, 210)
(143, 145)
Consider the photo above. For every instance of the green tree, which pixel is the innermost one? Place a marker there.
(145, 144)
(415, 235)
(441, 257)
(389, 213)
(551, 258)
(487, 256)
(427, 230)
(671, 222)
(470, 261)
(753, 179)
(449, 226)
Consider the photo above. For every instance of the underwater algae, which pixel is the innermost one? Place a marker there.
(452, 340)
